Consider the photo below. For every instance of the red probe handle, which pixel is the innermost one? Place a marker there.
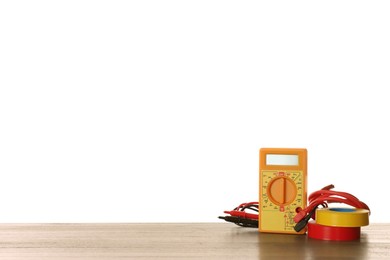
(242, 214)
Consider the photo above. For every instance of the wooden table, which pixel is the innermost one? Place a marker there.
(179, 241)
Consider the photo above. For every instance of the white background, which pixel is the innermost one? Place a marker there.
(149, 111)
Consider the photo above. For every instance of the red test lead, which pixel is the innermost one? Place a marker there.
(322, 198)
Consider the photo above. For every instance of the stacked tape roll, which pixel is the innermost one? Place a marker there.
(338, 223)
(317, 231)
(342, 217)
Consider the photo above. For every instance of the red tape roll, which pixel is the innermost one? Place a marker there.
(318, 231)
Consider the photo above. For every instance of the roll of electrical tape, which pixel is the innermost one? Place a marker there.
(342, 217)
(317, 231)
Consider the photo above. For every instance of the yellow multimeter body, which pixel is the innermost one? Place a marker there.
(283, 188)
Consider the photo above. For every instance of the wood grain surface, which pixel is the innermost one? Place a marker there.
(179, 241)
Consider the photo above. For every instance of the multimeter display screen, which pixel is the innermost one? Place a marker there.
(282, 159)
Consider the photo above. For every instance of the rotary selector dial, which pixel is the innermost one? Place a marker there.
(281, 190)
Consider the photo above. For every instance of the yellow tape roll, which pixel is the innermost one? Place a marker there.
(342, 217)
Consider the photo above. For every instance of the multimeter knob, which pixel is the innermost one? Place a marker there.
(281, 190)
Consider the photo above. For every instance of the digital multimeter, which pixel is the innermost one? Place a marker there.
(283, 188)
